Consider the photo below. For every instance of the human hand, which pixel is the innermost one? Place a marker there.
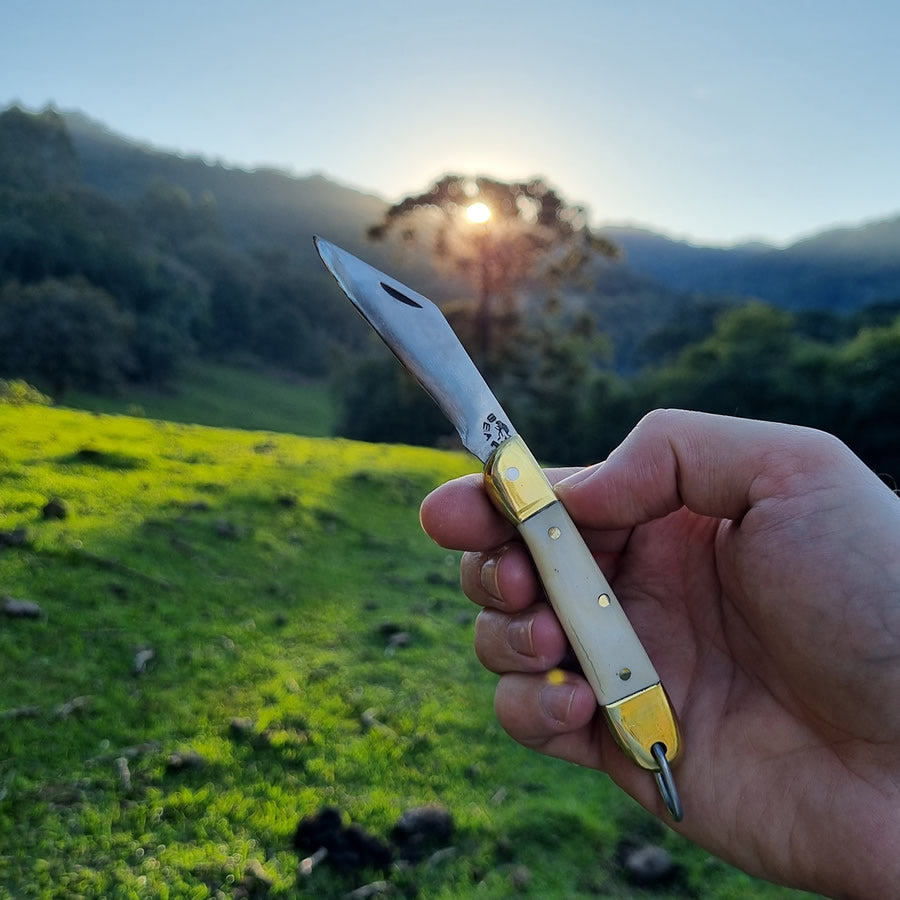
(760, 566)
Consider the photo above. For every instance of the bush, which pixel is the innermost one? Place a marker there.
(21, 393)
(64, 333)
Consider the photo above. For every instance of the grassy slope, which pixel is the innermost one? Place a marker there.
(279, 622)
(224, 396)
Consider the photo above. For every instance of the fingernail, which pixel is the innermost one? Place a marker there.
(556, 700)
(518, 633)
(490, 581)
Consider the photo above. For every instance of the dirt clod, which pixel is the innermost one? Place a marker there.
(55, 508)
(21, 609)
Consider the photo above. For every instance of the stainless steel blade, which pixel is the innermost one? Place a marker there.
(422, 339)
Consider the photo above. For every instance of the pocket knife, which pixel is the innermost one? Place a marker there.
(628, 690)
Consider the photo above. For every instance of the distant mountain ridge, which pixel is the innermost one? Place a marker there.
(838, 269)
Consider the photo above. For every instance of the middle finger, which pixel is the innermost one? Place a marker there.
(529, 641)
(503, 578)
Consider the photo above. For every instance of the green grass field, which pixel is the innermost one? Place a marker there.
(226, 397)
(266, 573)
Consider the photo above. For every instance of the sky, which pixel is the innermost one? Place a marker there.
(716, 121)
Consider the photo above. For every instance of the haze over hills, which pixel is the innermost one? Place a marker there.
(259, 208)
(838, 269)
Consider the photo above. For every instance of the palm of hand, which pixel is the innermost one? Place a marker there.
(772, 663)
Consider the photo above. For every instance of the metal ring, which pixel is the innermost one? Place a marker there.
(666, 783)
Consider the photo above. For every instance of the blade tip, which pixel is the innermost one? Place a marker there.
(324, 248)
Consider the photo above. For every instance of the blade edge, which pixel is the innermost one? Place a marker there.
(427, 347)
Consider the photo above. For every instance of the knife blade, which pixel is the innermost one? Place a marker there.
(628, 689)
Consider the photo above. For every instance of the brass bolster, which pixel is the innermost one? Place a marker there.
(641, 720)
(515, 482)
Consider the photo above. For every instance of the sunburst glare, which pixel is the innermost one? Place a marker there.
(478, 213)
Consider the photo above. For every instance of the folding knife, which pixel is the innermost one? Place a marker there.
(634, 703)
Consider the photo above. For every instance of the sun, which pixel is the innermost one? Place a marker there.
(478, 213)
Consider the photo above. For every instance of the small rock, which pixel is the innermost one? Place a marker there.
(55, 508)
(373, 889)
(132, 752)
(226, 529)
(142, 659)
(20, 712)
(519, 877)
(124, 773)
(241, 727)
(21, 609)
(397, 642)
(369, 719)
(310, 862)
(422, 830)
(181, 761)
(440, 856)
(18, 537)
(648, 865)
(75, 705)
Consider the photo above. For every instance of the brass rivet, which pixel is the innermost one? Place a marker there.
(625, 674)
(603, 599)
(554, 533)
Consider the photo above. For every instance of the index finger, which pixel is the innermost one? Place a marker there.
(459, 515)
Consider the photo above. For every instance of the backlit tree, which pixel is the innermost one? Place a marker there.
(500, 238)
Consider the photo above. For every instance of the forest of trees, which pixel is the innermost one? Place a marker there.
(99, 292)
(96, 293)
(841, 374)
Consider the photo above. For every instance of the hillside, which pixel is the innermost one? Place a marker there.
(260, 209)
(229, 631)
(839, 269)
